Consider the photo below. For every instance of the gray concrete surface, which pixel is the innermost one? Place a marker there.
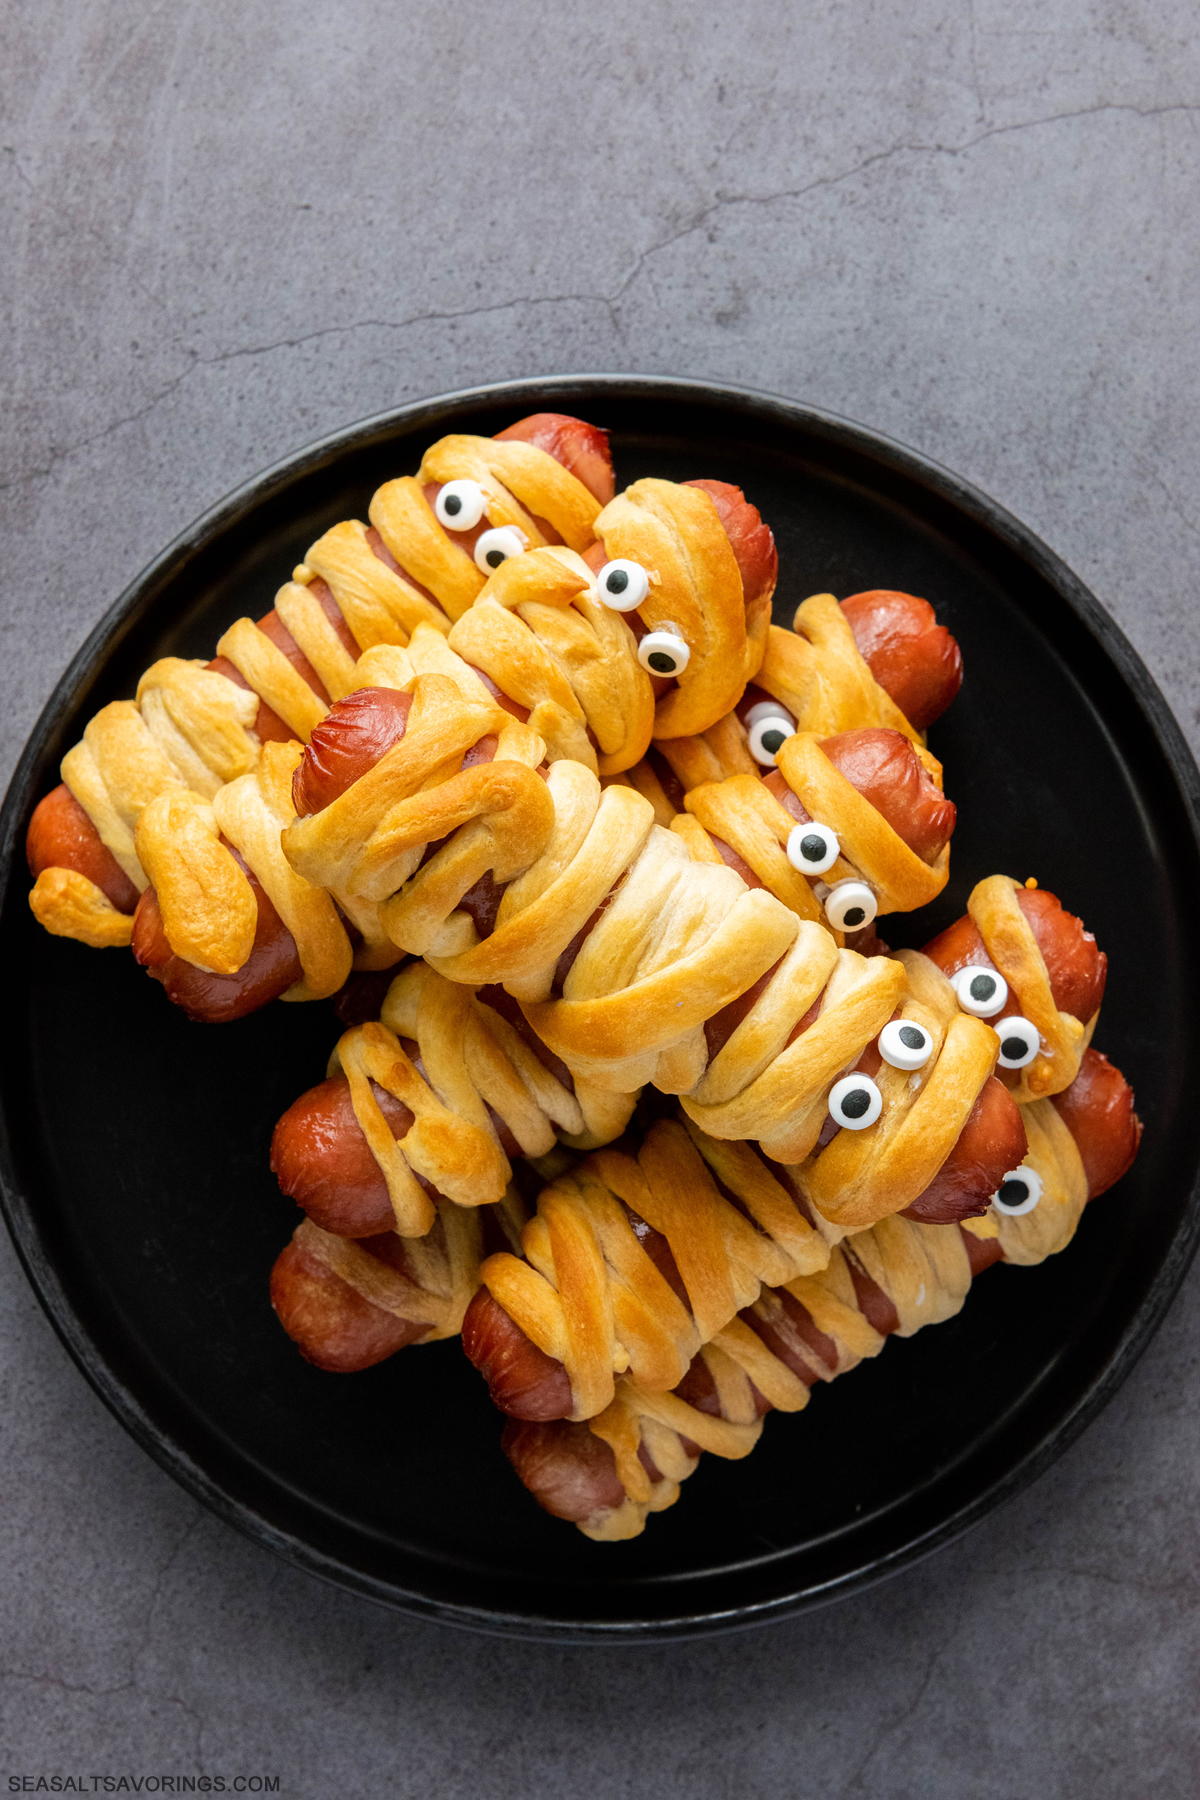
(231, 228)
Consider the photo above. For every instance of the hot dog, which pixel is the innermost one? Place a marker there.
(609, 1497)
(348, 1304)
(913, 658)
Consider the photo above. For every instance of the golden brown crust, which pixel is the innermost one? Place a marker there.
(476, 1075)
(818, 672)
(538, 630)
(69, 905)
(591, 1297)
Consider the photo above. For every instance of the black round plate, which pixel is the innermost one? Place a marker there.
(134, 1153)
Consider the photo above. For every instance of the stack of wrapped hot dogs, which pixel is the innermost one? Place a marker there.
(632, 1097)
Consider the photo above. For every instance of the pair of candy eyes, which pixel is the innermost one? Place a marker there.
(621, 585)
(813, 848)
(983, 992)
(855, 1102)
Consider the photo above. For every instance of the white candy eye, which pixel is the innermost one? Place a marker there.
(982, 992)
(664, 652)
(1019, 1192)
(1020, 1042)
(849, 905)
(855, 1102)
(460, 505)
(768, 724)
(496, 546)
(622, 585)
(813, 848)
(905, 1045)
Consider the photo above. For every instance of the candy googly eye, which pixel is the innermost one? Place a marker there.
(849, 905)
(1020, 1042)
(1019, 1192)
(767, 725)
(664, 652)
(981, 992)
(496, 546)
(855, 1102)
(813, 848)
(622, 585)
(905, 1045)
(460, 505)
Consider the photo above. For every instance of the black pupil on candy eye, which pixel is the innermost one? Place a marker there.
(661, 663)
(1013, 1047)
(983, 987)
(854, 916)
(812, 848)
(617, 582)
(1013, 1193)
(493, 558)
(856, 1103)
(911, 1038)
(771, 741)
(452, 504)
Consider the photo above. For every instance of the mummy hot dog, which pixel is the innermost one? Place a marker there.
(758, 792)
(430, 1102)
(173, 754)
(607, 1476)
(1033, 971)
(876, 659)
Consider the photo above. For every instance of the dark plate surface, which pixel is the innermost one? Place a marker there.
(134, 1153)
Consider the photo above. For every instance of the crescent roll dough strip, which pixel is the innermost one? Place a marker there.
(728, 799)
(68, 905)
(592, 1297)
(471, 1064)
(208, 908)
(762, 1086)
(818, 673)
(519, 480)
(1013, 949)
(371, 839)
(746, 814)
(538, 630)
(252, 812)
(449, 1270)
(678, 941)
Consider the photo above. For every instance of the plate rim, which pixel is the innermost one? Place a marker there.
(126, 612)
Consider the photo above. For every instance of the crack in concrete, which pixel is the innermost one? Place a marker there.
(609, 301)
(29, 1678)
(136, 1683)
(700, 219)
(892, 1726)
